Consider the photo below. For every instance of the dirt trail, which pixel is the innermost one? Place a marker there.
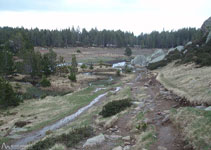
(168, 137)
(157, 111)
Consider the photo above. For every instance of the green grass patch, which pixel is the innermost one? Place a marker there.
(4, 140)
(36, 92)
(76, 101)
(195, 125)
(69, 140)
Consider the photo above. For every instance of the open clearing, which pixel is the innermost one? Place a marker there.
(95, 54)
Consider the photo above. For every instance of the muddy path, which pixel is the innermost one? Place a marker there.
(168, 137)
(156, 109)
(157, 112)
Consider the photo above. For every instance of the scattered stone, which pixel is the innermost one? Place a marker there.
(187, 147)
(113, 137)
(158, 113)
(175, 106)
(136, 103)
(146, 85)
(111, 122)
(117, 148)
(126, 138)
(161, 148)
(94, 141)
(166, 111)
(129, 125)
(126, 143)
(127, 147)
(113, 129)
(166, 119)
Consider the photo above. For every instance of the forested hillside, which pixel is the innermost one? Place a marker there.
(105, 38)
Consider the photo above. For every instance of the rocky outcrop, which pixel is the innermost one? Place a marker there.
(158, 55)
(208, 37)
(179, 48)
(208, 108)
(94, 141)
(139, 60)
(206, 26)
(189, 43)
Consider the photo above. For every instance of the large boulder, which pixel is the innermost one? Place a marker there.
(208, 37)
(189, 43)
(158, 55)
(94, 141)
(206, 26)
(139, 60)
(179, 48)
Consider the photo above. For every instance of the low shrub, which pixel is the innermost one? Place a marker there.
(83, 66)
(69, 140)
(115, 107)
(45, 82)
(156, 65)
(72, 77)
(91, 66)
(127, 69)
(118, 73)
(78, 51)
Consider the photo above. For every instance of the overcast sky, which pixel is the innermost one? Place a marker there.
(128, 15)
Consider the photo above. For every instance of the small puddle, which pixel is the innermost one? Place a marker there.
(41, 133)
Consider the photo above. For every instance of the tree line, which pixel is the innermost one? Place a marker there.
(105, 38)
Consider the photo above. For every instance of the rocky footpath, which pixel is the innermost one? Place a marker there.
(146, 125)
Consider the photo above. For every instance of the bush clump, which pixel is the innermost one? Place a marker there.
(45, 82)
(83, 66)
(7, 95)
(91, 66)
(78, 51)
(127, 69)
(118, 73)
(69, 140)
(115, 107)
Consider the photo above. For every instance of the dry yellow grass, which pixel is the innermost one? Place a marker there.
(195, 125)
(187, 81)
(95, 54)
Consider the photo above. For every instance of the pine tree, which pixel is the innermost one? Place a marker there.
(128, 51)
(73, 69)
(7, 96)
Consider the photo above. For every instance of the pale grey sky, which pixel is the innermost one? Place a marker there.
(128, 15)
